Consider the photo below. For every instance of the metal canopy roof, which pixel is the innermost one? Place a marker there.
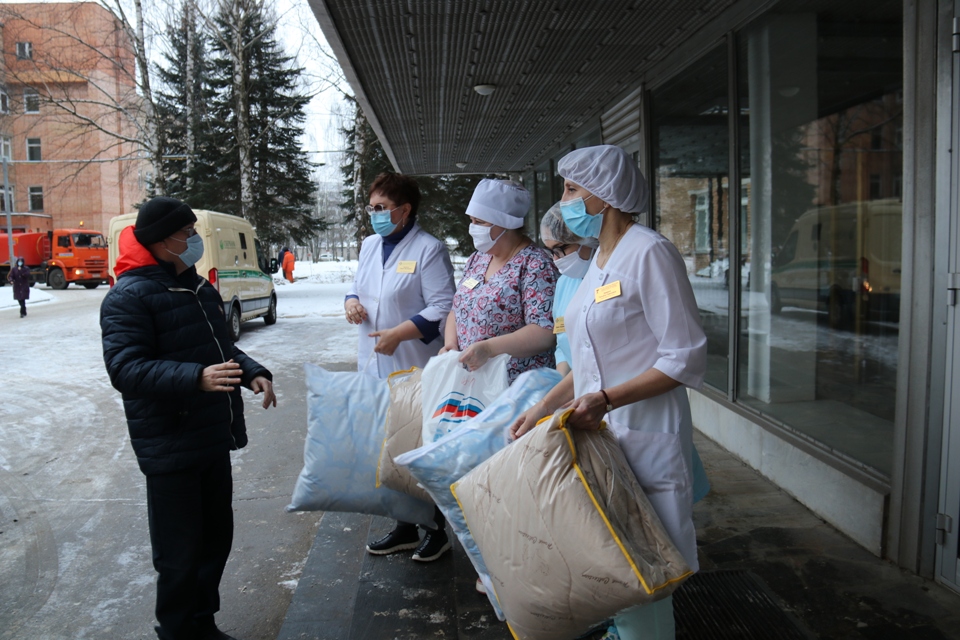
(556, 63)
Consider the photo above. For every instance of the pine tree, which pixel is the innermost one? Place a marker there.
(257, 122)
(443, 198)
(183, 113)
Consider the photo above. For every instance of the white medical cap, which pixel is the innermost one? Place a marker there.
(552, 227)
(608, 172)
(501, 202)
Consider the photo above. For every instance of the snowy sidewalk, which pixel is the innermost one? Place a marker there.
(37, 295)
(320, 272)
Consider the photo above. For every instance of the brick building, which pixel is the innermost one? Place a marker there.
(69, 113)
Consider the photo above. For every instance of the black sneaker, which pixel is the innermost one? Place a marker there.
(434, 545)
(400, 539)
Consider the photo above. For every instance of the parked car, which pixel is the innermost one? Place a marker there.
(325, 257)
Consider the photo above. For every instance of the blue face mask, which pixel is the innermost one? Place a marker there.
(193, 252)
(382, 223)
(577, 219)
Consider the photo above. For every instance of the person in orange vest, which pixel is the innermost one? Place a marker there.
(287, 264)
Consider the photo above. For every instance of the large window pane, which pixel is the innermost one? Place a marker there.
(690, 181)
(821, 167)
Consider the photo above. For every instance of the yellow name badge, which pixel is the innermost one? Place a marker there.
(558, 326)
(407, 266)
(471, 283)
(606, 292)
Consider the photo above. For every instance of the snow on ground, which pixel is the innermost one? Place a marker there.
(325, 272)
(72, 499)
(55, 361)
(313, 303)
(37, 294)
(332, 271)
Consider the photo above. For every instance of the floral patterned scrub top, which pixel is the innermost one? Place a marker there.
(520, 293)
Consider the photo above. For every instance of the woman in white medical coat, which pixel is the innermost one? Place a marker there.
(637, 343)
(400, 299)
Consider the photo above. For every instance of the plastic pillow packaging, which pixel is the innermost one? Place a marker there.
(403, 432)
(439, 464)
(569, 537)
(346, 414)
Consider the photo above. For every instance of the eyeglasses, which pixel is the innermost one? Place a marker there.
(377, 209)
(560, 250)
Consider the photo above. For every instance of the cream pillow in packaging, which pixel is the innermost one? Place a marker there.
(566, 533)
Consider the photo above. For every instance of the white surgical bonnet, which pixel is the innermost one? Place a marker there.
(552, 227)
(608, 172)
(501, 202)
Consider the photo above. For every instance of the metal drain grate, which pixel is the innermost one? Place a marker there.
(732, 605)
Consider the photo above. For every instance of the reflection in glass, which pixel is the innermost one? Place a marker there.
(821, 168)
(690, 181)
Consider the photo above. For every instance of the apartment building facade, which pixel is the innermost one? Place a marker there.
(69, 113)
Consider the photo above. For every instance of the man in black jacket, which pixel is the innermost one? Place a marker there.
(168, 351)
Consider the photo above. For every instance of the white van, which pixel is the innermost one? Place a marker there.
(233, 261)
(844, 260)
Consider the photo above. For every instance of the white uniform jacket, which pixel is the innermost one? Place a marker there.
(417, 279)
(653, 322)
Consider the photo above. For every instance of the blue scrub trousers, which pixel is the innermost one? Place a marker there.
(649, 622)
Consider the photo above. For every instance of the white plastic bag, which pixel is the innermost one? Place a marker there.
(346, 413)
(437, 465)
(452, 395)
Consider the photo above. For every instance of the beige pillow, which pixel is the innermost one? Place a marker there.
(566, 532)
(404, 432)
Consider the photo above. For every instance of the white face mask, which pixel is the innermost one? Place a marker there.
(481, 237)
(572, 265)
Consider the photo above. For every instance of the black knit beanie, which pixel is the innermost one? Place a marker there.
(160, 218)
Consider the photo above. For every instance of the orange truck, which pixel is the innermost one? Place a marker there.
(59, 257)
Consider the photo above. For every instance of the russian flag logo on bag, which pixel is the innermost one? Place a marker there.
(457, 408)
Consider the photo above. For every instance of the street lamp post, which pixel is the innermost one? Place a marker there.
(7, 206)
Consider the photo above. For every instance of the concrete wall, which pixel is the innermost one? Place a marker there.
(851, 506)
